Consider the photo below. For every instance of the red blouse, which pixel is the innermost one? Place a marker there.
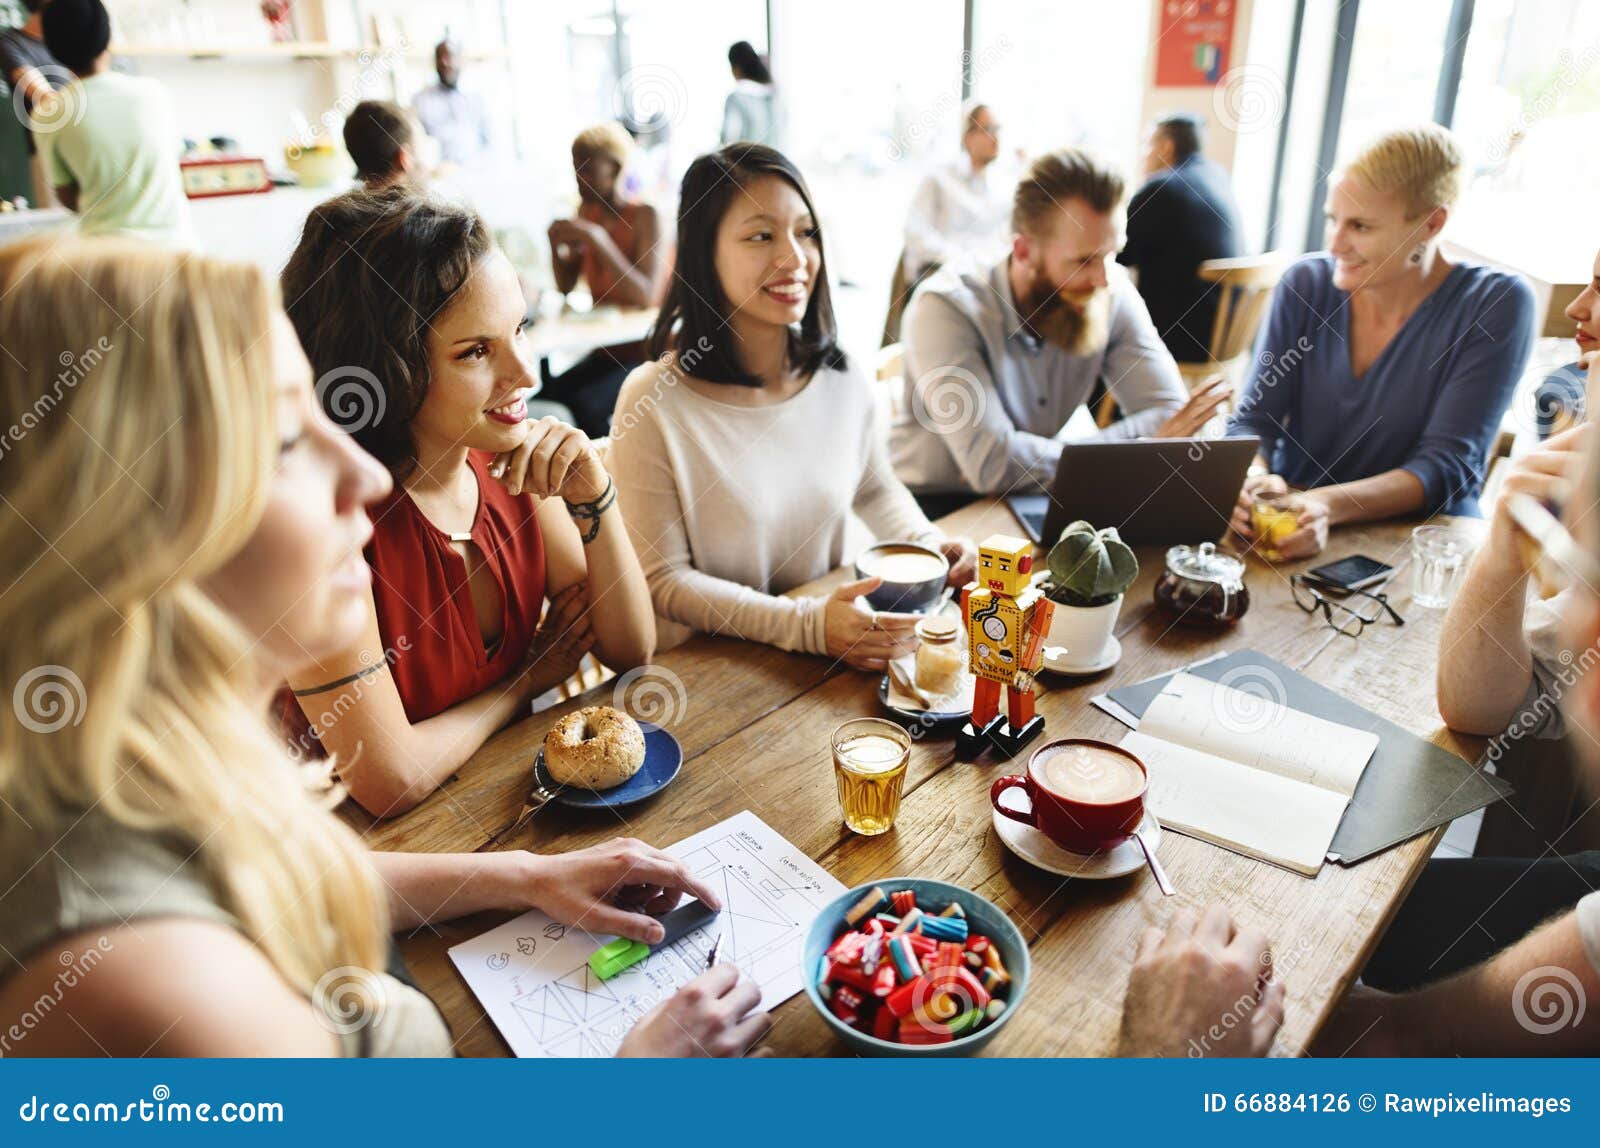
(426, 618)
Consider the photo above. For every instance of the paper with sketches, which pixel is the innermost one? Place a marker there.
(532, 975)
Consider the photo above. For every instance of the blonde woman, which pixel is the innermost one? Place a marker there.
(172, 560)
(1383, 367)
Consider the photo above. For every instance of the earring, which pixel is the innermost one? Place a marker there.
(1416, 255)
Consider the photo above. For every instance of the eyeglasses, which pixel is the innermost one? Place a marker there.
(1344, 618)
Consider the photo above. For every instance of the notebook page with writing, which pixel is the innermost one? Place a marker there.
(1250, 811)
(1260, 733)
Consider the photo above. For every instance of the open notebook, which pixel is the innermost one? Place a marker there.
(1247, 773)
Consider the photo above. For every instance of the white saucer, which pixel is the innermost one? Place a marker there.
(1112, 655)
(1037, 849)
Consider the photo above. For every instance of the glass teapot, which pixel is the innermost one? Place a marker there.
(1202, 587)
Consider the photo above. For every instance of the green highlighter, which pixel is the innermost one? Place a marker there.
(611, 958)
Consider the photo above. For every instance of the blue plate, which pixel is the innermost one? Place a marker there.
(663, 758)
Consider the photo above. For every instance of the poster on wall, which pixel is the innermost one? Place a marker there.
(1196, 39)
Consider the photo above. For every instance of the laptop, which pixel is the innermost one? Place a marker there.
(1158, 491)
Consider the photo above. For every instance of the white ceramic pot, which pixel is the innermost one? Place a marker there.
(1085, 631)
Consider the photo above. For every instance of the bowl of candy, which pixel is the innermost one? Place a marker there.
(912, 967)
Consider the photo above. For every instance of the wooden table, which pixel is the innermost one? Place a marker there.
(755, 724)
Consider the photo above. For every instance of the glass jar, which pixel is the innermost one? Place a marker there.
(1202, 587)
(941, 656)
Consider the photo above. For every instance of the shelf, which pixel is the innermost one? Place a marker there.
(292, 50)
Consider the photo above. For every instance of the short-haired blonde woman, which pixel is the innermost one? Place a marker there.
(615, 245)
(1383, 368)
(171, 560)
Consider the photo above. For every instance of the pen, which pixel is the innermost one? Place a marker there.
(711, 957)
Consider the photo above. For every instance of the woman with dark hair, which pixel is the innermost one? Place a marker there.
(413, 322)
(750, 113)
(745, 449)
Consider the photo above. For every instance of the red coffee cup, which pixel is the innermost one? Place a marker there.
(1075, 821)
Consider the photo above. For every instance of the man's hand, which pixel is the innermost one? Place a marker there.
(1202, 989)
(1547, 474)
(1311, 533)
(1194, 414)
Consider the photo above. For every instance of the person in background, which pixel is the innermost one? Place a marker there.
(413, 321)
(1182, 216)
(381, 139)
(998, 360)
(458, 119)
(961, 212)
(32, 72)
(177, 557)
(750, 113)
(1558, 400)
(1383, 368)
(747, 448)
(615, 246)
(114, 158)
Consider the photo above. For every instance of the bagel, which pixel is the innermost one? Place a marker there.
(596, 747)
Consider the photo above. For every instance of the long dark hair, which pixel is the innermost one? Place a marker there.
(371, 271)
(696, 310)
(743, 55)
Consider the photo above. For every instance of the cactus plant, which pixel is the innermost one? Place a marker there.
(1090, 567)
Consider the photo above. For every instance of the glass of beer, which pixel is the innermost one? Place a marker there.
(869, 765)
(1274, 517)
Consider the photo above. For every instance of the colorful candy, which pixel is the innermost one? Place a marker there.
(906, 961)
(910, 921)
(871, 901)
(910, 976)
(944, 928)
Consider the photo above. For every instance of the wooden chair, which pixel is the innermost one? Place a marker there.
(889, 376)
(1244, 288)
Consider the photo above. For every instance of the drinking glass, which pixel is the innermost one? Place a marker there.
(1439, 559)
(869, 765)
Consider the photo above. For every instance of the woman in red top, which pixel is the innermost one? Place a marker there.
(412, 320)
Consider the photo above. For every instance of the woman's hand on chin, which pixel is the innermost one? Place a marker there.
(555, 460)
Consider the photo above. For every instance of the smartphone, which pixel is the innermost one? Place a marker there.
(1356, 572)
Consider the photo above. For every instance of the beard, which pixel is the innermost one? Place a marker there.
(1078, 322)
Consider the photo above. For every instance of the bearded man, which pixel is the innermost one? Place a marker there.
(998, 360)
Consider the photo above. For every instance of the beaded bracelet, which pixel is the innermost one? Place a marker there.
(593, 510)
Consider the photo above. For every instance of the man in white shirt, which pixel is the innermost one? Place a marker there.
(456, 118)
(961, 212)
(998, 360)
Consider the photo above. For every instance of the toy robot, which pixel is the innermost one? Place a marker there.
(1007, 620)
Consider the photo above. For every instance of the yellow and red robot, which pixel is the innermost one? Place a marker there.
(1007, 620)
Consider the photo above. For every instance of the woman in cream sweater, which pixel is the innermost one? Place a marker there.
(747, 448)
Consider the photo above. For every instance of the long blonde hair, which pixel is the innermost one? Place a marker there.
(137, 441)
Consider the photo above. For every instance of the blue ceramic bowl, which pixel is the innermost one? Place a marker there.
(903, 597)
(983, 916)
